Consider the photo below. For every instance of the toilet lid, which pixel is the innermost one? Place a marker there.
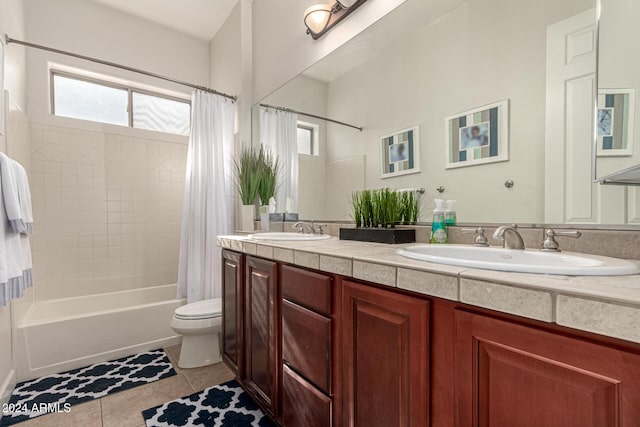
(205, 309)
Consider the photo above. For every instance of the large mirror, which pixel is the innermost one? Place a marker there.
(618, 142)
(487, 102)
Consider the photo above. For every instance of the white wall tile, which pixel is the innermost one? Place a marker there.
(107, 211)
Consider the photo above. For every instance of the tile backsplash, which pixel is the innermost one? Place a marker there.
(107, 211)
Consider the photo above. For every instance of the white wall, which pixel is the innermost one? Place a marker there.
(309, 96)
(282, 49)
(12, 23)
(226, 55)
(484, 51)
(91, 29)
(16, 144)
(618, 26)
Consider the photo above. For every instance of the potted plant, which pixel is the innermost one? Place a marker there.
(376, 213)
(268, 177)
(409, 207)
(247, 183)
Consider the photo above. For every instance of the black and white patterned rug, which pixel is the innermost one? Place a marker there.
(58, 392)
(224, 405)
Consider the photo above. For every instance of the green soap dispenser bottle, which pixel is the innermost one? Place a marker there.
(438, 227)
(450, 218)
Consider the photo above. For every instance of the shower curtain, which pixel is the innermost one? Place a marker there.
(208, 198)
(279, 131)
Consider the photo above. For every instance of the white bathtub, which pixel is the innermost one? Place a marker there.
(68, 333)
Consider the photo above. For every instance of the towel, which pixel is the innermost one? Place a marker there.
(15, 223)
(24, 197)
(10, 194)
(15, 276)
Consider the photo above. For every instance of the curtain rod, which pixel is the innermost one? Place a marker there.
(113, 64)
(311, 115)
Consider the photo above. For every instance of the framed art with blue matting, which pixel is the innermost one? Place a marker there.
(478, 136)
(399, 152)
(615, 121)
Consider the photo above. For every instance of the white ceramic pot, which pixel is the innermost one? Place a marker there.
(247, 215)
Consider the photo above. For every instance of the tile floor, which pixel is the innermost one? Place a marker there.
(123, 409)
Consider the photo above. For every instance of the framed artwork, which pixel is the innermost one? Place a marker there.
(399, 152)
(478, 136)
(615, 121)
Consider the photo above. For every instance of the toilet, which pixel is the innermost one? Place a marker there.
(200, 324)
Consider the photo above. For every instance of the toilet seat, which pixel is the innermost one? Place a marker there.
(206, 309)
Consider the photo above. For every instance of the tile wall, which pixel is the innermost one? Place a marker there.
(107, 211)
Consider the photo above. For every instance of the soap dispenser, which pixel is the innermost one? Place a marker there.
(450, 214)
(438, 227)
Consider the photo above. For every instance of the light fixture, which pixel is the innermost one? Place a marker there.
(320, 18)
(347, 3)
(316, 18)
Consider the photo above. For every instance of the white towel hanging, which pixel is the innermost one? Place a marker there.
(15, 223)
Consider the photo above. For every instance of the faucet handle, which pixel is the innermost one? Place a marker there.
(481, 239)
(320, 229)
(298, 226)
(551, 245)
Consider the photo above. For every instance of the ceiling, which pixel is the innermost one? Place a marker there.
(198, 18)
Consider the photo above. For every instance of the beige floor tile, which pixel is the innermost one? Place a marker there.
(124, 409)
(173, 357)
(207, 376)
(83, 415)
(174, 350)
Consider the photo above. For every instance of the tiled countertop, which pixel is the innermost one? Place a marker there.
(607, 305)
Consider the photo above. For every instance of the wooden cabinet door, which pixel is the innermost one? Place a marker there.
(303, 405)
(509, 375)
(386, 358)
(232, 314)
(306, 344)
(261, 333)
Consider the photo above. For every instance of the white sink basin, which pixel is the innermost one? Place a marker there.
(523, 261)
(288, 236)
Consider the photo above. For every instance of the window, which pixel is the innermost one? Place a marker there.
(85, 100)
(305, 140)
(308, 139)
(100, 101)
(162, 114)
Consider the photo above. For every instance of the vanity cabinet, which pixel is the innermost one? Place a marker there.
(322, 350)
(386, 357)
(508, 374)
(232, 310)
(262, 333)
(308, 328)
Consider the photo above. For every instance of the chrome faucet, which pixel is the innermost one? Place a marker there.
(480, 239)
(502, 232)
(551, 245)
(307, 227)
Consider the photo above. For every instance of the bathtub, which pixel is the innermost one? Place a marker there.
(68, 333)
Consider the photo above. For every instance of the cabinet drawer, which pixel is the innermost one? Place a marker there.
(302, 404)
(311, 290)
(306, 344)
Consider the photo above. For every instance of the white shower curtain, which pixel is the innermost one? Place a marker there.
(279, 131)
(208, 196)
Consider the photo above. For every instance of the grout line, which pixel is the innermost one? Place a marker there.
(188, 382)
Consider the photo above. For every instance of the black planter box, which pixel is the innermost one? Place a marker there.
(379, 235)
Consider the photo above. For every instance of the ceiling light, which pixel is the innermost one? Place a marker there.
(320, 18)
(316, 18)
